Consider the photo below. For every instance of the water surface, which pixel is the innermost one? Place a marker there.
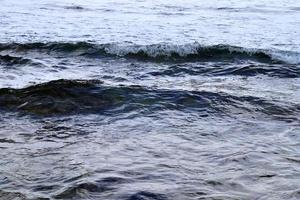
(149, 100)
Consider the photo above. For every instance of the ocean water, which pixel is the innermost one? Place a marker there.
(150, 100)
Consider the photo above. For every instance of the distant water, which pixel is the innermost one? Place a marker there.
(150, 100)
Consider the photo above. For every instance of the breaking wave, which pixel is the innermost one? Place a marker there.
(160, 52)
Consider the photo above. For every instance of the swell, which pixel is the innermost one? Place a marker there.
(272, 70)
(91, 96)
(160, 52)
(13, 60)
(97, 188)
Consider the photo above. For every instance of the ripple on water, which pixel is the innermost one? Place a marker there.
(105, 100)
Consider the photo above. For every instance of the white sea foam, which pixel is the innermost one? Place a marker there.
(168, 50)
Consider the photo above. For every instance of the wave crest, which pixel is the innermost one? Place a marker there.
(161, 52)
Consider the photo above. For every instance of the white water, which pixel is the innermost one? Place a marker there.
(268, 24)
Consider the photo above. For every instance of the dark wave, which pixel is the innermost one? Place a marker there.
(97, 188)
(145, 195)
(272, 70)
(160, 52)
(75, 96)
(101, 188)
(13, 60)
(11, 195)
(79, 47)
(74, 7)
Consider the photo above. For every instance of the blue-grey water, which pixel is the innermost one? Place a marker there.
(150, 100)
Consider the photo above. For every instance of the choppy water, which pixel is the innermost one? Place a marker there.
(150, 100)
